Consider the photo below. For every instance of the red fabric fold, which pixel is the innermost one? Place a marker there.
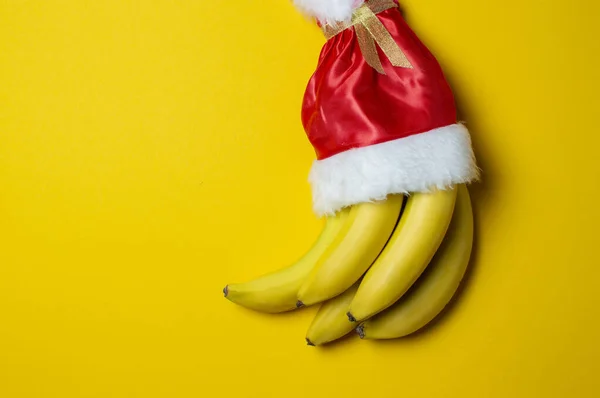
(348, 104)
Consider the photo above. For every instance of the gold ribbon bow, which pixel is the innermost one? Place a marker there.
(370, 30)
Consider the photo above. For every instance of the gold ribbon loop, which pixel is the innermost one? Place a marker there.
(370, 30)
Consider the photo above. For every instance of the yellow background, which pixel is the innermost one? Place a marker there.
(151, 152)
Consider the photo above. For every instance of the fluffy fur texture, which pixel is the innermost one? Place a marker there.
(328, 11)
(436, 159)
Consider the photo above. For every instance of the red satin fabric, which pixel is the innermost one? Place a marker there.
(348, 104)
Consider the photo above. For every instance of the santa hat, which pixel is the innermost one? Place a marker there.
(378, 110)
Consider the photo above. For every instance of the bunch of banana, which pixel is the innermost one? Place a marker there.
(384, 268)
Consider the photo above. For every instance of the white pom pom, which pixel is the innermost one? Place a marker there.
(328, 11)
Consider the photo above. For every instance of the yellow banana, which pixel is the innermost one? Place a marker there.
(436, 287)
(415, 240)
(277, 291)
(331, 323)
(362, 238)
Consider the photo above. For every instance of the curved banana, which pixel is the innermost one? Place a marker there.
(415, 240)
(436, 287)
(277, 291)
(331, 323)
(362, 238)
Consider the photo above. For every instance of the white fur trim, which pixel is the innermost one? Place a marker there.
(435, 159)
(328, 11)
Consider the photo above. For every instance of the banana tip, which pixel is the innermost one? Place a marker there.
(299, 304)
(351, 318)
(226, 290)
(360, 330)
(308, 342)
